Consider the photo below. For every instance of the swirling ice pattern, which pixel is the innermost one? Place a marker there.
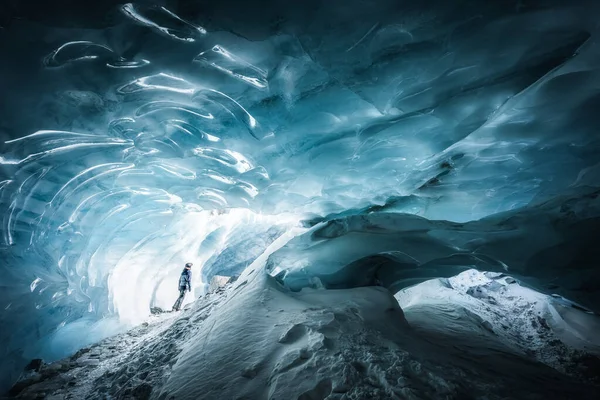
(158, 166)
(112, 215)
(163, 21)
(88, 51)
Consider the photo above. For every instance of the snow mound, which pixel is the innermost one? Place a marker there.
(495, 307)
(254, 339)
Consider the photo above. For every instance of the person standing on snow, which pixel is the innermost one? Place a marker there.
(185, 283)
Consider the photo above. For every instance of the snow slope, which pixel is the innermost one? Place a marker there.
(256, 340)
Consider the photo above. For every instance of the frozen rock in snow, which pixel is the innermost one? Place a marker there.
(34, 365)
(89, 362)
(217, 282)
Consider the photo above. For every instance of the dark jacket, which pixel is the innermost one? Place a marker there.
(185, 280)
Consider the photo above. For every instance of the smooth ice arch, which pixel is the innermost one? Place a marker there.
(411, 141)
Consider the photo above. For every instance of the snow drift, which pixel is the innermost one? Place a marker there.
(256, 339)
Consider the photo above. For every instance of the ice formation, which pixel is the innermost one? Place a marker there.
(337, 151)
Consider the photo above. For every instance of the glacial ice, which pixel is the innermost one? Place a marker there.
(400, 143)
(221, 59)
(550, 246)
(163, 21)
(88, 51)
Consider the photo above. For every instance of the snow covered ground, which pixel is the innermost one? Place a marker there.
(495, 308)
(128, 365)
(479, 336)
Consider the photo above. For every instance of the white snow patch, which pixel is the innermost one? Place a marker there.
(254, 340)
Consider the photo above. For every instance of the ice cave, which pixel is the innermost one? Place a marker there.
(381, 199)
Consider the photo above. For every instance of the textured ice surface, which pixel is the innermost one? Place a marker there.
(138, 136)
(551, 246)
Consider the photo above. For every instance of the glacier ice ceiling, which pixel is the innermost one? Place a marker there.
(400, 141)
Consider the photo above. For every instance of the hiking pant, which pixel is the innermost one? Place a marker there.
(177, 304)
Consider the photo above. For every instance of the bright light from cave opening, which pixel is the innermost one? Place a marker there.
(147, 276)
